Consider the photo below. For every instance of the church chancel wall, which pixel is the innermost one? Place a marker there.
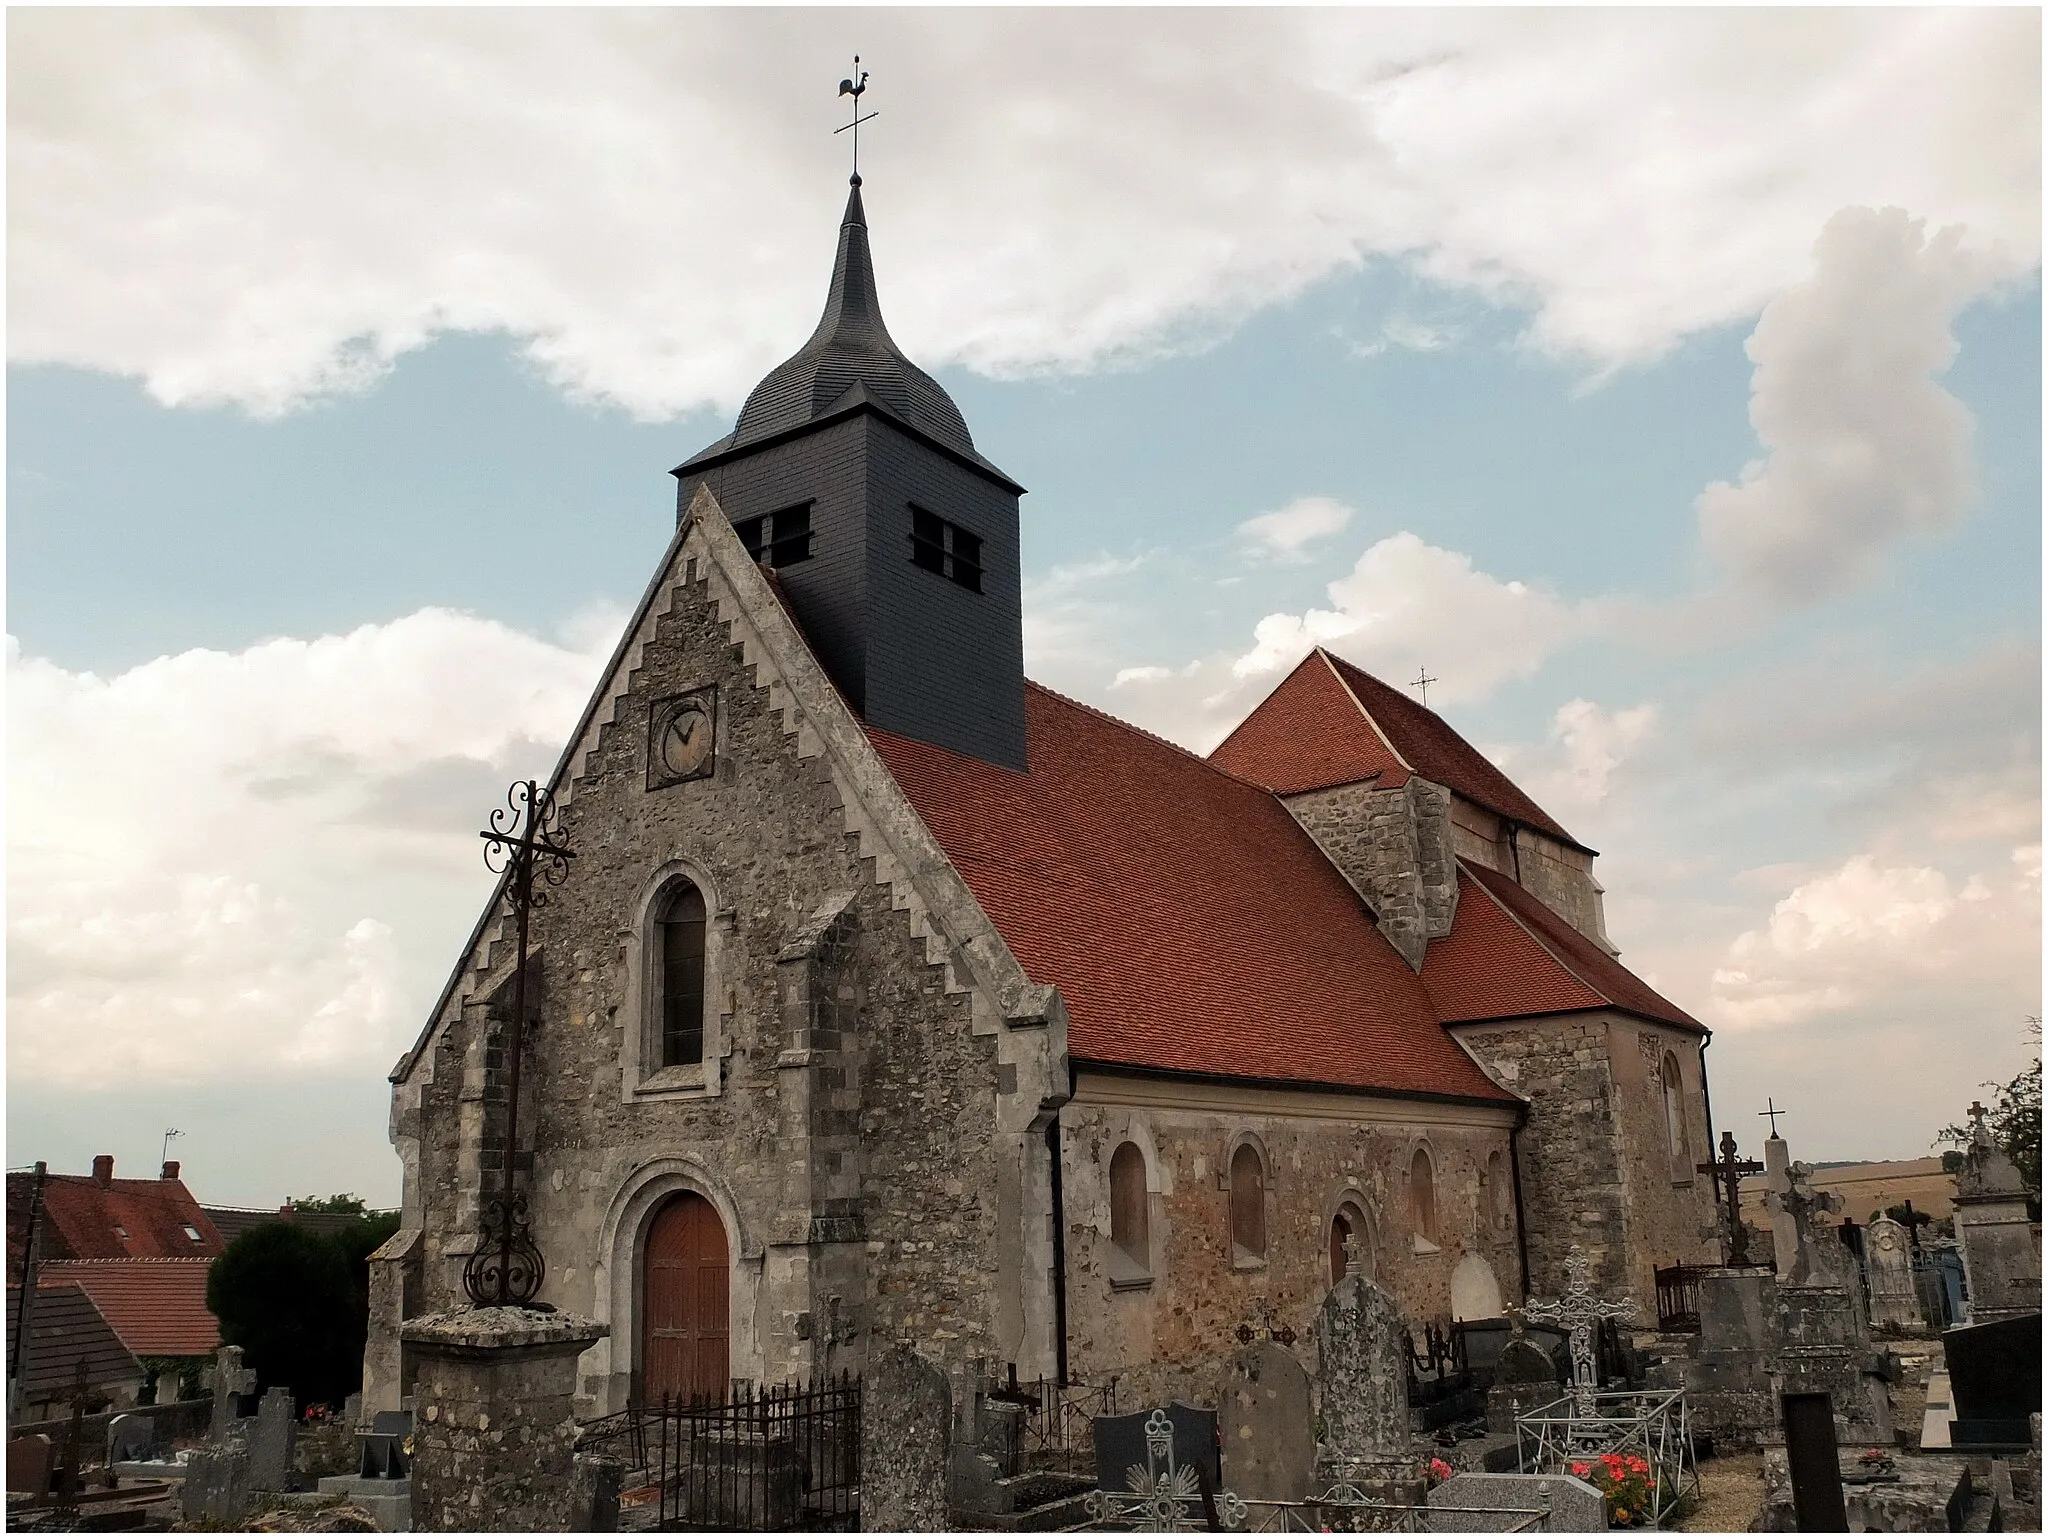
(1248, 1198)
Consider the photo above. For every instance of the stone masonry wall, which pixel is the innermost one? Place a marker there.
(1394, 847)
(1556, 874)
(858, 1095)
(1596, 1169)
(1174, 1334)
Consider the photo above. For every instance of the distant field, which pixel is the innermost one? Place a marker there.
(1867, 1190)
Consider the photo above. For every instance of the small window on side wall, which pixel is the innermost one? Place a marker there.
(1422, 1200)
(1674, 1118)
(1130, 1237)
(680, 952)
(1247, 1206)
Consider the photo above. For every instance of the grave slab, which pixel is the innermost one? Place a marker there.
(1574, 1506)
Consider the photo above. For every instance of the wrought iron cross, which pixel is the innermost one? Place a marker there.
(1913, 1221)
(1728, 1172)
(1578, 1312)
(1776, 1111)
(855, 86)
(523, 841)
(1422, 681)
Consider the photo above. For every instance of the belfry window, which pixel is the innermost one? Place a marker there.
(945, 548)
(681, 962)
(1247, 1206)
(778, 539)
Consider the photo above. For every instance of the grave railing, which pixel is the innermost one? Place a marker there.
(1370, 1517)
(1652, 1424)
(775, 1458)
(1678, 1297)
(1058, 1421)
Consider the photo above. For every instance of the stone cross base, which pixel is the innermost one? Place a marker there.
(494, 1423)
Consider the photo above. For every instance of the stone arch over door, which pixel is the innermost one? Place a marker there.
(685, 1348)
(615, 1362)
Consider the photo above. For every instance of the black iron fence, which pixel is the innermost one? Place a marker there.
(781, 1458)
(1678, 1297)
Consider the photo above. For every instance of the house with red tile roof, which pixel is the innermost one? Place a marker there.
(892, 998)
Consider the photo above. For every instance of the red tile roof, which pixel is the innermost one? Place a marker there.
(1508, 955)
(1189, 923)
(157, 1307)
(82, 1218)
(1331, 723)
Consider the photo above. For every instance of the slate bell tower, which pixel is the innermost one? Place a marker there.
(852, 475)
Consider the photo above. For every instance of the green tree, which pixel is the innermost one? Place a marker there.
(2014, 1118)
(287, 1297)
(340, 1202)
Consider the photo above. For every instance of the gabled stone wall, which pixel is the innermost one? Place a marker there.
(1394, 847)
(869, 1120)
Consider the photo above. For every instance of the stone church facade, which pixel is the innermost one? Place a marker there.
(892, 998)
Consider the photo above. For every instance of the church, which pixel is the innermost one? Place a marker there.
(893, 998)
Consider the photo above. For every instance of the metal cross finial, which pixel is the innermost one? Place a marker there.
(1776, 1111)
(854, 86)
(1422, 681)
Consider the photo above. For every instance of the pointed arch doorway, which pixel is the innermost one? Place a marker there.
(684, 1330)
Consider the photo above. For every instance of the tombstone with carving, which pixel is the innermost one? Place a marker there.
(1888, 1264)
(1579, 1313)
(1362, 1382)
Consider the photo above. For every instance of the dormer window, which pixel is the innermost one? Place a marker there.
(945, 548)
(778, 539)
(120, 1231)
(192, 1233)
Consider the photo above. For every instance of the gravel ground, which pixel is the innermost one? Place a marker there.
(1731, 1495)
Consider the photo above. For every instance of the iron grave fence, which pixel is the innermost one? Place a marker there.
(777, 1458)
(1058, 1430)
(1678, 1297)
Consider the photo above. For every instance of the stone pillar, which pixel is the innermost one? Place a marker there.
(1777, 1184)
(394, 1293)
(494, 1425)
(2001, 1249)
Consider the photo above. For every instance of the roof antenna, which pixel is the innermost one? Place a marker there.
(1422, 681)
(169, 1134)
(854, 87)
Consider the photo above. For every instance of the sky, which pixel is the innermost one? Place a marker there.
(1667, 384)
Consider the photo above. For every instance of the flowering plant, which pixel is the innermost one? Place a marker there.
(1438, 1472)
(1624, 1480)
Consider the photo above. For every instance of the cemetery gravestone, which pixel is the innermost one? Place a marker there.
(2001, 1256)
(1574, 1506)
(1267, 1427)
(216, 1487)
(1362, 1376)
(1995, 1373)
(1524, 1379)
(1893, 1299)
(232, 1385)
(906, 1428)
(1120, 1456)
(29, 1463)
(270, 1441)
(383, 1446)
(130, 1437)
(1814, 1459)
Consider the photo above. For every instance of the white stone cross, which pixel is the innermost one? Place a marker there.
(1578, 1312)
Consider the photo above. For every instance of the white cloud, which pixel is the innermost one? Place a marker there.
(1890, 936)
(1407, 605)
(1404, 605)
(1861, 445)
(233, 864)
(1286, 532)
(261, 206)
(1573, 773)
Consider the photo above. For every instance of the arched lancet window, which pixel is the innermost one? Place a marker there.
(1422, 1197)
(1500, 1188)
(1674, 1116)
(1129, 1221)
(1347, 1228)
(1247, 1205)
(680, 959)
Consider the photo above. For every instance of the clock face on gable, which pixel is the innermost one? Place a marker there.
(682, 738)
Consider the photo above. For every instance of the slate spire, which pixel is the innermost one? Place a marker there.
(850, 351)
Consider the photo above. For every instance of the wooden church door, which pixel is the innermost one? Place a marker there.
(683, 1315)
